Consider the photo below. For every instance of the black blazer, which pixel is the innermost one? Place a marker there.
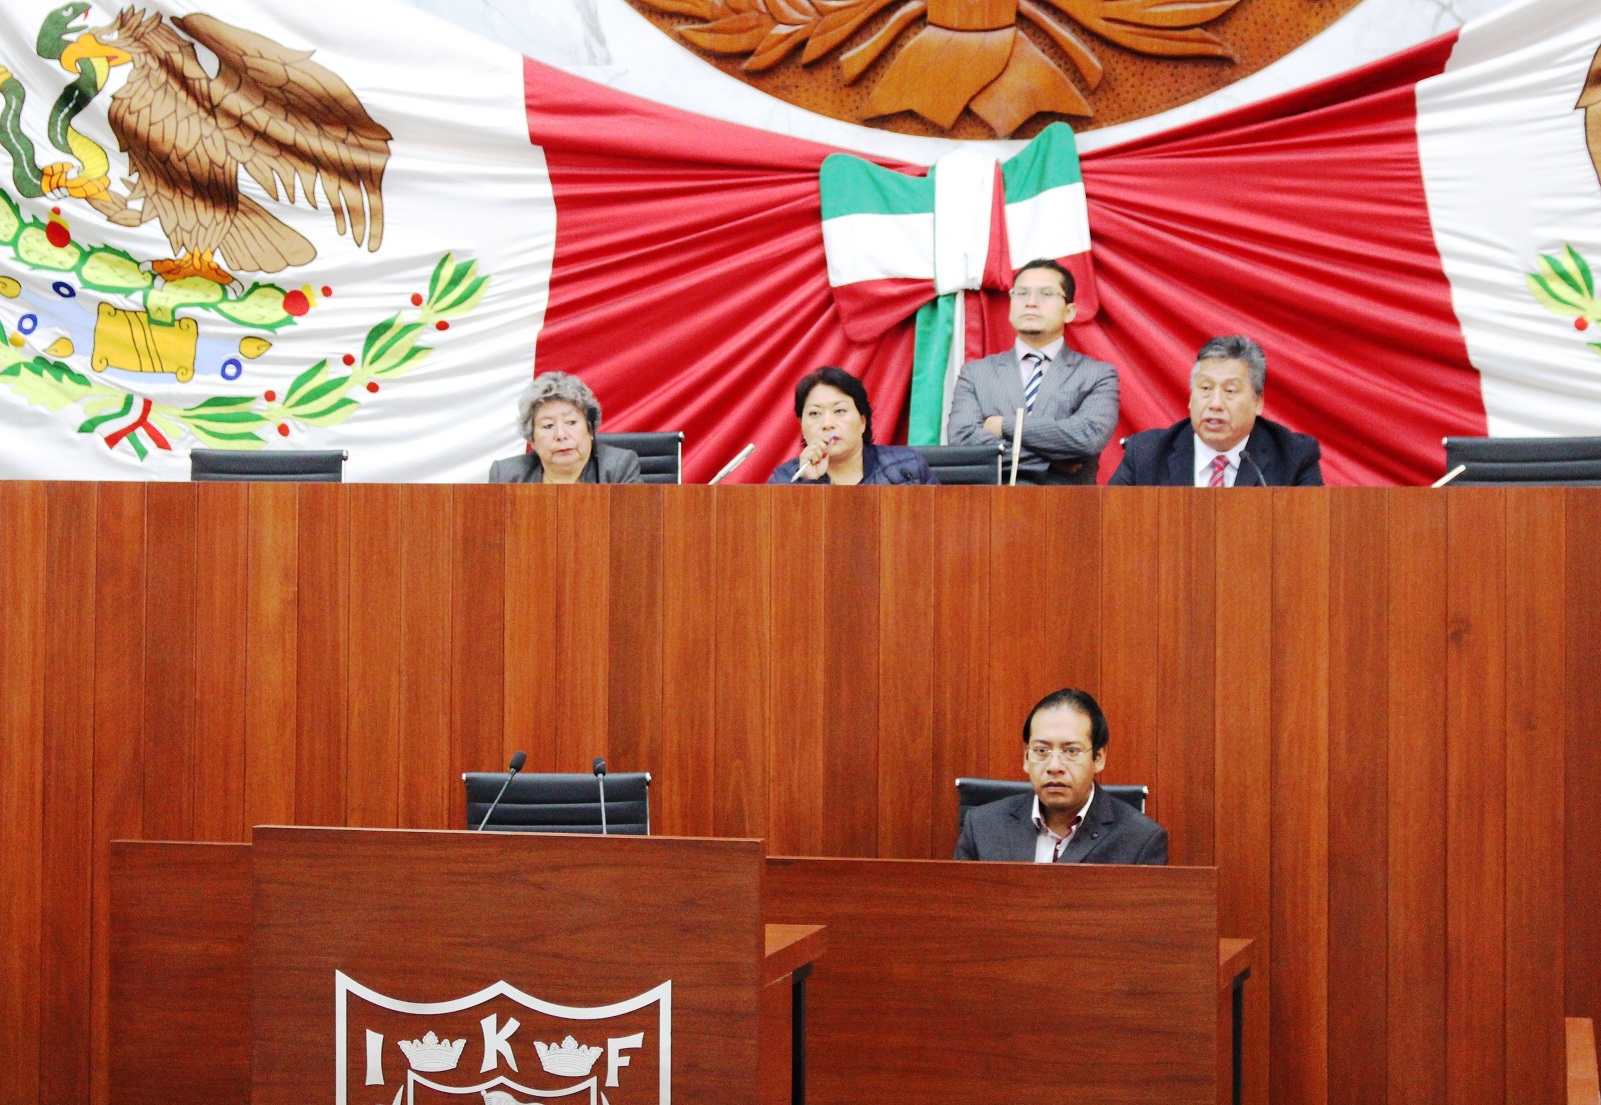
(1115, 832)
(1166, 458)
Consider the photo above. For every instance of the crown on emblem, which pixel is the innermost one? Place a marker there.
(433, 1054)
(571, 1058)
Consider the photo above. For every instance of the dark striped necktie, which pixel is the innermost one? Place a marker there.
(1035, 361)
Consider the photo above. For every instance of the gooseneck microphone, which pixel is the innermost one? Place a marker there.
(518, 758)
(1261, 479)
(600, 780)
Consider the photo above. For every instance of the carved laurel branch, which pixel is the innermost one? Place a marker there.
(769, 30)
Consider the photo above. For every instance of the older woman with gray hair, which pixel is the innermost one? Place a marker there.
(558, 415)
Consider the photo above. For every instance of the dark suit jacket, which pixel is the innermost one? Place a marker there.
(607, 464)
(1166, 458)
(1115, 832)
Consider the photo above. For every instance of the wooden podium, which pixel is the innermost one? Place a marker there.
(363, 967)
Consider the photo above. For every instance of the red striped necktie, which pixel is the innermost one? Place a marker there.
(1220, 464)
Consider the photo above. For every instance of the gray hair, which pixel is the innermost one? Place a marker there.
(555, 387)
(1235, 348)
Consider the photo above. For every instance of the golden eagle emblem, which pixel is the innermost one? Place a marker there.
(1590, 100)
(271, 111)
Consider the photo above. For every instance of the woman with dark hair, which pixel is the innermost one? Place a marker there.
(558, 416)
(837, 426)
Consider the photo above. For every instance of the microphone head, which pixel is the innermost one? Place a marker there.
(600, 765)
(517, 760)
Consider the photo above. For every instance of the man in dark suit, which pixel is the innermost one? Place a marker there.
(1068, 819)
(1225, 442)
(1069, 400)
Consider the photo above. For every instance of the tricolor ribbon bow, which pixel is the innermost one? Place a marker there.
(898, 244)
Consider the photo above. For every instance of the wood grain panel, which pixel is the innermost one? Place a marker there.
(1073, 589)
(222, 652)
(849, 814)
(802, 607)
(427, 793)
(1242, 842)
(23, 631)
(740, 560)
(322, 656)
(683, 794)
(1475, 796)
(168, 728)
(119, 711)
(272, 616)
(477, 636)
(1300, 675)
(529, 714)
(1024, 628)
(1416, 769)
(583, 617)
(67, 855)
(921, 994)
(1582, 779)
(634, 708)
(1131, 637)
(1358, 826)
(1535, 800)
(375, 632)
(906, 779)
(1186, 680)
(961, 644)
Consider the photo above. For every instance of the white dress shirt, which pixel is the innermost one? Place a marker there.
(1049, 845)
(1204, 455)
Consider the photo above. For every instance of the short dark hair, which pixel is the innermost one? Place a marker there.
(839, 380)
(1069, 285)
(1073, 699)
(1236, 347)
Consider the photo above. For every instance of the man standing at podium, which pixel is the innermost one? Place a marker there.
(1068, 819)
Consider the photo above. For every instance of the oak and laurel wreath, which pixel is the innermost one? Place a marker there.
(319, 396)
(1565, 285)
(769, 30)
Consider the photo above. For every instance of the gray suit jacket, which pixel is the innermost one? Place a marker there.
(1114, 833)
(607, 464)
(1072, 420)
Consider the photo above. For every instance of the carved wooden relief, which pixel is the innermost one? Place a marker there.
(987, 68)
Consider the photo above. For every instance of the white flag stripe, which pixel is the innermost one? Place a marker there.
(879, 247)
(964, 195)
(1509, 178)
(1054, 223)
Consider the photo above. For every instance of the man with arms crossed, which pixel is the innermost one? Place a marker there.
(1069, 400)
(1068, 819)
(1225, 442)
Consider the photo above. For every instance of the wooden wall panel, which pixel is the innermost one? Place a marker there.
(1243, 755)
(169, 694)
(1358, 829)
(67, 855)
(1416, 770)
(1308, 680)
(1475, 806)
(222, 581)
(1300, 675)
(23, 631)
(322, 665)
(1535, 1035)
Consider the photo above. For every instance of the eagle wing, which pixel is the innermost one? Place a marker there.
(286, 118)
(1590, 100)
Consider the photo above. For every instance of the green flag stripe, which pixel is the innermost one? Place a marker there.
(1050, 161)
(930, 359)
(851, 186)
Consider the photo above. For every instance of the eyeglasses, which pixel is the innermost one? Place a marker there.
(1045, 295)
(1042, 753)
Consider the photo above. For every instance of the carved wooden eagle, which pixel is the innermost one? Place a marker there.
(269, 110)
(1590, 100)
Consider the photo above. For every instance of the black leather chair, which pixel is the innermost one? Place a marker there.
(969, 464)
(1550, 461)
(971, 793)
(560, 803)
(661, 455)
(279, 465)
